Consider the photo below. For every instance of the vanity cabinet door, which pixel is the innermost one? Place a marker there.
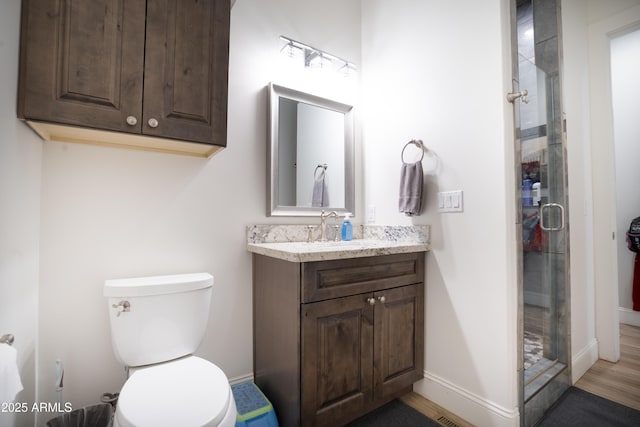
(337, 354)
(82, 62)
(398, 340)
(186, 70)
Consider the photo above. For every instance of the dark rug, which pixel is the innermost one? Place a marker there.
(577, 407)
(394, 414)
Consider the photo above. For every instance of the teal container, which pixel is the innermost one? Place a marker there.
(254, 409)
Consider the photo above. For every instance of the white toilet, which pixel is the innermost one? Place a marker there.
(156, 325)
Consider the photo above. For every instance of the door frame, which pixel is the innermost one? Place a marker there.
(607, 318)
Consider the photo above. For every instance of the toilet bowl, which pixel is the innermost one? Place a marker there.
(156, 325)
(186, 392)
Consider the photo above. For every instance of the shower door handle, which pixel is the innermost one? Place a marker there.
(549, 206)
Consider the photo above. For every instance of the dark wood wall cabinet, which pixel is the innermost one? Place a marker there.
(145, 74)
(335, 339)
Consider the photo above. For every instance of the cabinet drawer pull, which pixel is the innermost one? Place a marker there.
(153, 123)
(371, 301)
(132, 121)
(382, 299)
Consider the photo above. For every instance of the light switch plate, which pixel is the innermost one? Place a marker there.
(450, 201)
(371, 214)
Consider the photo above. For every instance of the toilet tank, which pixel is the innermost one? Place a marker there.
(159, 318)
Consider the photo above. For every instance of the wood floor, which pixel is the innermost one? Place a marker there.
(619, 381)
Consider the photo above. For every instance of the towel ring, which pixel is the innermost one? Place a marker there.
(323, 166)
(418, 143)
(7, 339)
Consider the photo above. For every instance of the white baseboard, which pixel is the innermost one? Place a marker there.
(465, 404)
(584, 360)
(241, 379)
(629, 317)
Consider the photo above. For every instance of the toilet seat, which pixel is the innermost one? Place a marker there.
(185, 392)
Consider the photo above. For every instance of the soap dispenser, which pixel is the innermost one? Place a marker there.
(347, 228)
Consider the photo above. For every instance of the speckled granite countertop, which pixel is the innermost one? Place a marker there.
(288, 242)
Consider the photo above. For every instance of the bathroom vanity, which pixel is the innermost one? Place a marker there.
(338, 327)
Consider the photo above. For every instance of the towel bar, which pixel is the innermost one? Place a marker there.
(6, 339)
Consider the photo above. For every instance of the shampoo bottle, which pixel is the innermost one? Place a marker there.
(527, 199)
(347, 229)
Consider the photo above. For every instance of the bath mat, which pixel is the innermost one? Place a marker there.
(394, 414)
(577, 407)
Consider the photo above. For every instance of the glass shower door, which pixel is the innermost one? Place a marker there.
(542, 208)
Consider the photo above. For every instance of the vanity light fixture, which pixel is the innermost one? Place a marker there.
(316, 58)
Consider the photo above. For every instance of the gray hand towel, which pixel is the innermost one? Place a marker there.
(320, 196)
(410, 188)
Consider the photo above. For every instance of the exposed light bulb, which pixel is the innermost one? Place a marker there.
(347, 70)
(319, 61)
(290, 50)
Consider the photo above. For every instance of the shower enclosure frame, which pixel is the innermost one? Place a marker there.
(541, 385)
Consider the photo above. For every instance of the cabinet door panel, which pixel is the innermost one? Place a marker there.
(186, 70)
(399, 331)
(83, 62)
(337, 350)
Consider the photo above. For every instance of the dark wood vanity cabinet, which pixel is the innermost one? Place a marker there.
(333, 340)
(155, 69)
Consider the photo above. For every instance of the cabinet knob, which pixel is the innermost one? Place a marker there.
(371, 301)
(153, 123)
(382, 299)
(132, 121)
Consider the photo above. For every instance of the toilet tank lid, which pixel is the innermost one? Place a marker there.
(157, 285)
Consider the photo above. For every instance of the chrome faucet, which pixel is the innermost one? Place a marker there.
(323, 223)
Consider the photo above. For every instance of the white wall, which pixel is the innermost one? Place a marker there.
(110, 213)
(438, 71)
(576, 106)
(625, 87)
(20, 160)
